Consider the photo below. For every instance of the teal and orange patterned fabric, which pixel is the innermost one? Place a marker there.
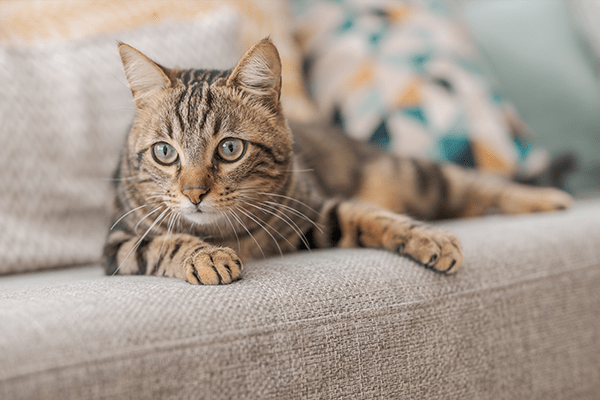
(407, 77)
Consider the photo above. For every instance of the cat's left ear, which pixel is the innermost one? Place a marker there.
(145, 77)
(259, 72)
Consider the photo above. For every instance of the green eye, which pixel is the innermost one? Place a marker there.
(231, 149)
(164, 153)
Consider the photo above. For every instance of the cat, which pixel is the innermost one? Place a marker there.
(211, 175)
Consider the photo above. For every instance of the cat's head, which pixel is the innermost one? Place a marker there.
(206, 142)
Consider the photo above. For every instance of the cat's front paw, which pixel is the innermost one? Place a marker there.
(213, 266)
(437, 249)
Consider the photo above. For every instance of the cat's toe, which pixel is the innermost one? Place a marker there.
(437, 249)
(452, 256)
(421, 248)
(213, 266)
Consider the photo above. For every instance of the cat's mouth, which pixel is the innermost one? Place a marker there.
(201, 215)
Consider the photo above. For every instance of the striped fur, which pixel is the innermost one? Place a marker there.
(211, 176)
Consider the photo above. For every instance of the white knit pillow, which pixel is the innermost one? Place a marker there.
(64, 113)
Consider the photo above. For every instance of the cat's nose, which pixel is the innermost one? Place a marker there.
(195, 194)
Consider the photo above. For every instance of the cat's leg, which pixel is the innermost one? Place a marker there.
(353, 169)
(179, 256)
(472, 193)
(428, 190)
(355, 224)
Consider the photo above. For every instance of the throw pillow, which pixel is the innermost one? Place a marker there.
(406, 76)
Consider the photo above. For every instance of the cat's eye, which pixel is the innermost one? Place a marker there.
(231, 149)
(164, 153)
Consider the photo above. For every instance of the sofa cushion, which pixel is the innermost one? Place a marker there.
(521, 319)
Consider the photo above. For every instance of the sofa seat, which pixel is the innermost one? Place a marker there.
(520, 320)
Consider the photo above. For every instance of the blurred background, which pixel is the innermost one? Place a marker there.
(545, 56)
(508, 87)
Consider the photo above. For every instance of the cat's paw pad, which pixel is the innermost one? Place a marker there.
(437, 249)
(213, 266)
(532, 199)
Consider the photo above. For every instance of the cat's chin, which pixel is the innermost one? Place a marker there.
(203, 218)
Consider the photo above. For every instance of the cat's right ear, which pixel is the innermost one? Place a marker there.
(145, 77)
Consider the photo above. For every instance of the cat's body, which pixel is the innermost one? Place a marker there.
(211, 176)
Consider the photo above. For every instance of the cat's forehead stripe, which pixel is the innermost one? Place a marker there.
(196, 97)
(194, 106)
(193, 102)
(179, 111)
(191, 76)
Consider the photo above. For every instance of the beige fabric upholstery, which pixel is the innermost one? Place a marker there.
(521, 320)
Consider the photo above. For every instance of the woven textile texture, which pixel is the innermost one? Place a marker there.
(64, 112)
(31, 22)
(520, 320)
(406, 76)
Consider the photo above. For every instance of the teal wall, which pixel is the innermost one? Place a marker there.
(534, 49)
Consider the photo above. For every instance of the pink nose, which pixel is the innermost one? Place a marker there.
(195, 194)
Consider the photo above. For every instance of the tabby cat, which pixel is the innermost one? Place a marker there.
(211, 176)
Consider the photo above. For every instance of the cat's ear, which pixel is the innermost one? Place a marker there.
(144, 75)
(259, 72)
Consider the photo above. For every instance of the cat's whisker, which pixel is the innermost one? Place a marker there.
(290, 199)
(146, 216)
(119, 179)
(283, 197)
(160, 253)
(298, 213)
(290, 222)
(269, 212)
(170, 222)
(179, 218)
(256, 220)
(216, 223)
(275, 205)
(290, 209)
(232, 228)
(172, 216)
(156, 221)
(129, 212)
(132, 189)
(239, 220)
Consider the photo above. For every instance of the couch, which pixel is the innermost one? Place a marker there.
(520, 320)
